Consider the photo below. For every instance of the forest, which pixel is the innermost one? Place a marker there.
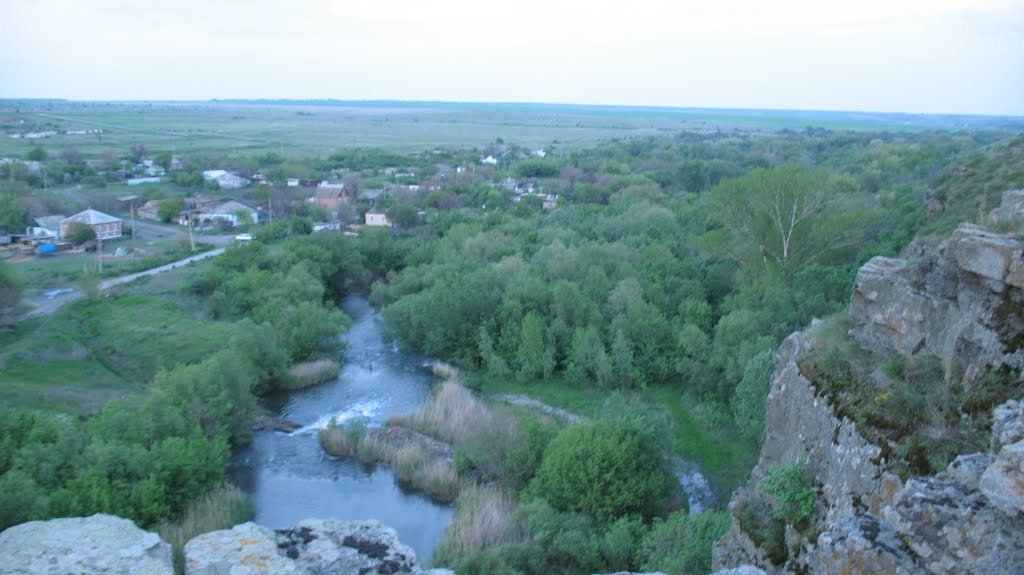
(664, 279)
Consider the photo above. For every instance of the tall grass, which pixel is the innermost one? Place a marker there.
(451, 414)
(221, 508)
(413, 466)
(481, 517)
(306, 374)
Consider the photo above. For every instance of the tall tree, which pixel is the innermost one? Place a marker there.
(531, 357)
(789, 215)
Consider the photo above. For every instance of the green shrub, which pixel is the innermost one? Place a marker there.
(606, 470)
(681, 544)
(793, 491)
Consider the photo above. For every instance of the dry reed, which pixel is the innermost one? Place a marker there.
(310, 373)
(451, 414)
(481, 517)
(222, 508)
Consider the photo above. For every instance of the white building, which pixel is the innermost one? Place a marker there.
(489, 160)
(225, 179)
(375, 217)
(230, 212)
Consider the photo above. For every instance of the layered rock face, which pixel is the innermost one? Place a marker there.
(963, 303)
(83, 546)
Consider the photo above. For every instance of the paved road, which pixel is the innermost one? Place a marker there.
(48, 305)
(107, 284)
(150, 231)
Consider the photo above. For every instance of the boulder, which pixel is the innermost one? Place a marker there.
(312, 547)
(952, 528)
(1003, 481)
(967, 469)
(862, 544)
(81, 546)
(741, 570)
(1008, 423)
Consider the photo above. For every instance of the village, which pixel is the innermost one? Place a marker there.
(147, 210)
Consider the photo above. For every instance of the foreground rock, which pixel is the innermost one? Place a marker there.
(81, 546)
(313, 547)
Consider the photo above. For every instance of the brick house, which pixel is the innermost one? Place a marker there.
(105, 226)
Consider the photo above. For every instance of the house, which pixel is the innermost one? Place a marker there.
(329, 195)
(105, 226)
(225, 179)
(489, 160)
(334, 226)
(375, 217)
(229, 213)
(292, 182)
(148, 210)
(45, 227)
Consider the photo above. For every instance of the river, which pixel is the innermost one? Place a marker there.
(289, 476)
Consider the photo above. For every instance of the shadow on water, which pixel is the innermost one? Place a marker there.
(289, 476)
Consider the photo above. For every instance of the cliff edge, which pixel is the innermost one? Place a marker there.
(905, 418)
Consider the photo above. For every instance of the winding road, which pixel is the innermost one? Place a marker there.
(48, 304)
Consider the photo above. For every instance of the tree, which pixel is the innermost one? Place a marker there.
(10, 294)
(138, 152)
(81, 233)
(12, 214)
(531, 358)
(36, 154)
(789, 215)
(748, 401)
(606, 470)
(403, 215)
(168, 208)
(163, 159)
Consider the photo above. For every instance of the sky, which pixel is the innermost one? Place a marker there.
(931, 56)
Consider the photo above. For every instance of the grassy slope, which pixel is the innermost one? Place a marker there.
(725, 460)
(88, 353)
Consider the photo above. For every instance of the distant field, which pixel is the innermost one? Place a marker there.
(316, 128)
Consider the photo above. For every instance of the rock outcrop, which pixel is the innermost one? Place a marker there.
(115, 546)
(83, 546)
(312, 547)
(964, 304)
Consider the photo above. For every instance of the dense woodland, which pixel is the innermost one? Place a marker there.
(672, 267)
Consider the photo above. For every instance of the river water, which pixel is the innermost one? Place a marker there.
(289, 476)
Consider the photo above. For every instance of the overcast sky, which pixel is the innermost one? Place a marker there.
(941, 56)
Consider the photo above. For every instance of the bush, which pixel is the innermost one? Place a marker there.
(793, 492)
(80, 234)
(606, 470)
(681, 544)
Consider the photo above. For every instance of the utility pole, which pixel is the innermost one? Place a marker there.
(99, 255)
(131, 208)
(191, 239)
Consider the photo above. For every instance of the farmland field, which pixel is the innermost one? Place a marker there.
(316, 128)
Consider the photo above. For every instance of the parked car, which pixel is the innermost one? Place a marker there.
(243, 238)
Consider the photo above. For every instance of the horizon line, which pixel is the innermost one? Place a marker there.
(500, 103)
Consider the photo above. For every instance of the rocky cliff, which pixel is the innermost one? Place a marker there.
(963, 305)
(115, 546)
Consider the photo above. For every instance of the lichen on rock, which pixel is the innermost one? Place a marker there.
(83, 546)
